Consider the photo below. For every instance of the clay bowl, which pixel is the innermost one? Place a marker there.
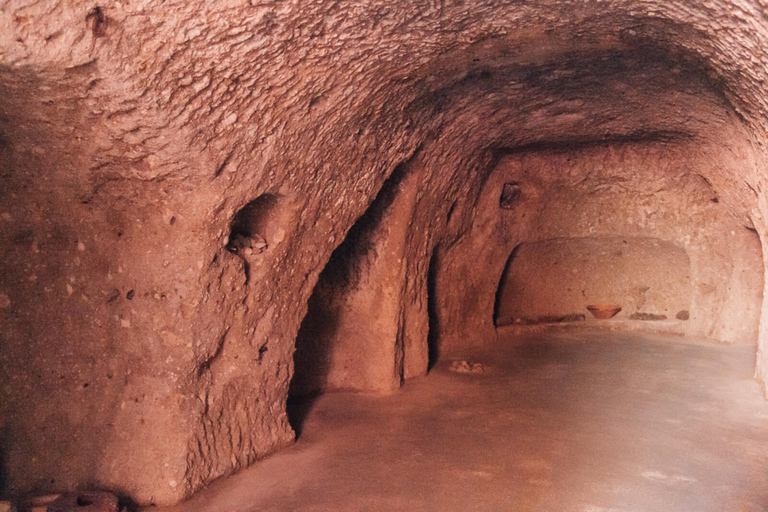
(603, 311)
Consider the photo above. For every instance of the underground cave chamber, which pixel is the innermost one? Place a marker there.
(613, 230)
(210, 211)
(565, 405)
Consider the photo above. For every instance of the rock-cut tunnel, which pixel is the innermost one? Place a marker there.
(214, 214)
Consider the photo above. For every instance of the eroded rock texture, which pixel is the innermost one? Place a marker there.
(176, 176)
(653, 238)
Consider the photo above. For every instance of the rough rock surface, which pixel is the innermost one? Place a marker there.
(145, 351)
(586, 240)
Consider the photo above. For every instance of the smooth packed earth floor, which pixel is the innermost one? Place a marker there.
(578, 421)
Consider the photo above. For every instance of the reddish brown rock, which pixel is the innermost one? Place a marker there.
(183, 181)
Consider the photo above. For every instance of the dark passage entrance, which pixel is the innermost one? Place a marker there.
(319, 350)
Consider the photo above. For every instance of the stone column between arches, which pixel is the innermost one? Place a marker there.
(366, 324)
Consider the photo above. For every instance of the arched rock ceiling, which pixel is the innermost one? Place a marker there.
(317, 76)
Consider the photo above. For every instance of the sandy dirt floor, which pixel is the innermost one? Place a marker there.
(570, 421)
